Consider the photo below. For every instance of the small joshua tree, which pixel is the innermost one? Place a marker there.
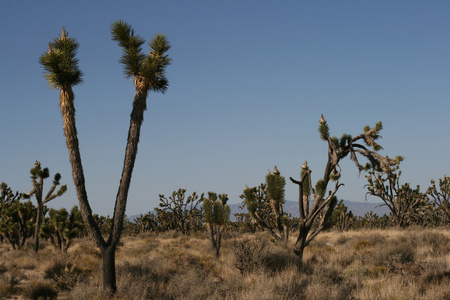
(145, 223)
(441, 196)
(322, 205)
(265, 205)
(61, 227)
(185, 213)
(407, 205)
(342, 219)
(16, 217)
(217, 214)
(37, 176)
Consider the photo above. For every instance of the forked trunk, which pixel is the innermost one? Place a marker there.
(108, 248)
(300, 244)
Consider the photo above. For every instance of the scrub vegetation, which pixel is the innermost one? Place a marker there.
(357, 264)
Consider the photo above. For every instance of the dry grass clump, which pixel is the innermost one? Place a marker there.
(40, 290)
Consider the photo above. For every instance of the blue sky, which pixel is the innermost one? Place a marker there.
(248, 83)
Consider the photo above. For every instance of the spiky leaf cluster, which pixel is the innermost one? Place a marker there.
(321, 188)
(60, 63)
(151, 68)
(324, 130)
(373, 134)
(215, 209)
(38, 172)
(275, 184)
(249, 195)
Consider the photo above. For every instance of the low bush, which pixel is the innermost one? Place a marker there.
(249, 254)
(40, 290)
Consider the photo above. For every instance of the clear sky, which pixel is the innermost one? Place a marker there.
(248, 83)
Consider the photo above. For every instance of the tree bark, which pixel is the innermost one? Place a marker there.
(109, 269)
(300, 244)
(38, 227)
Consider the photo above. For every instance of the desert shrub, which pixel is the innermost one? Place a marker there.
(393, 253)
(321, 252)
(433, 278)
(322, 290)
(8, 285)
(342, 239)
(378, 271)
(54, 269)
(326, 275)
(3, 268)
(248, 254)
(375, 238)
(439, 242)
(344, 258)
(277, 258)
(62, 274)
(192, 284)
(40, 290)
(26, 262)
(145, 279)
(362, 244)
(293, 288)
(85, 263)
(150, 244)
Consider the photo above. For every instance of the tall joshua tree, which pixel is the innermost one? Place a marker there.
(37, 177)
(148, 71)
(322, 205)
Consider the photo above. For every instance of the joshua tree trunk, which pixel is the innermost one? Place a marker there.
(300, 246)
(39, 216)
(109, 268)
(108, 248)
(215, 236)
(70, 131)
(136, 119)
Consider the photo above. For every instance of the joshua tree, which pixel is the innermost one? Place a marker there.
(145, 223)
(16, 217)
(441, 196)
(322, 205)
(37, 177)
(217, 214)
(185, 215)
(407, 205)
(265, 205)
(342, 219)
(148, 72)
(61, 227)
